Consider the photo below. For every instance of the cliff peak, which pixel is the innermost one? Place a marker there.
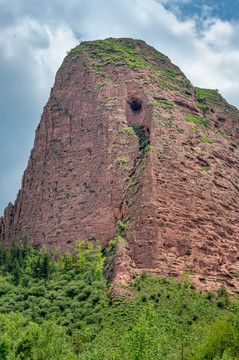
(128, 148)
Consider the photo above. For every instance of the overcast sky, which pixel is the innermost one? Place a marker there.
(200, 36)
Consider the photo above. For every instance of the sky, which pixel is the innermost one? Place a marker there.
(199, 36)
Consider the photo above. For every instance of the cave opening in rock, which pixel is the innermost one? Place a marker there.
(136, 105)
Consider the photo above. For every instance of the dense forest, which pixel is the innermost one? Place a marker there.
(55, 306)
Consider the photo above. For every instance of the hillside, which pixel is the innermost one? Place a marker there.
(127, 145)
(59, 308)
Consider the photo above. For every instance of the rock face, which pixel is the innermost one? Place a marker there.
(126, 139)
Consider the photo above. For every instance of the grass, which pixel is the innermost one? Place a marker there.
(206, 139)
(205, 168)
(110, 99)
(203, 106)
(102, 83)
(132, 53)
(180, 130)
(207, 97)
(86, 91)
(175, 75)
(128, 130)
(121, 160)
(115, 51)
(165, 85)
(198, 120)
(162, 104)
(194, 129)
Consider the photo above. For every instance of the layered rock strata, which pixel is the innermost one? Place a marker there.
(126, 139)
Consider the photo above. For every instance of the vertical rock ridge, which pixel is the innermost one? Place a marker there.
(125, 137)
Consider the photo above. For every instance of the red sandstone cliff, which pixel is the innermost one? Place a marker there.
(125, 136)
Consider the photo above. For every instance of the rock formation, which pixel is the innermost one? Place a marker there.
(125, 140)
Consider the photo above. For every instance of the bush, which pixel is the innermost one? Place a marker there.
(72, 290)
(210, 295)
(220, 338)
(37, 291)
(85, 293)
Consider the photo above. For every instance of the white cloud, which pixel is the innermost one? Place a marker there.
(49, 59)
(31, 54)
(214, 59)
(218, 34)
(174, 1)
(26, 34)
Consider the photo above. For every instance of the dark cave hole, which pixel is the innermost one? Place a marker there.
(136, 105)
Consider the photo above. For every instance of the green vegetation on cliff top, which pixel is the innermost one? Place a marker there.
(138, 55)
(56, 306)
(129, 52)
(118, 52)
(207, 97)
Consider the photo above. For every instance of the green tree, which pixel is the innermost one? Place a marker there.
(144, 341)
(45, 266)
(5, 347)
(16, 272)
(89, 258)
(25, 345)
(66, 262)
(52, 344)
(24, 247)
(221, 341)
(31, 261)
(185, 283)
